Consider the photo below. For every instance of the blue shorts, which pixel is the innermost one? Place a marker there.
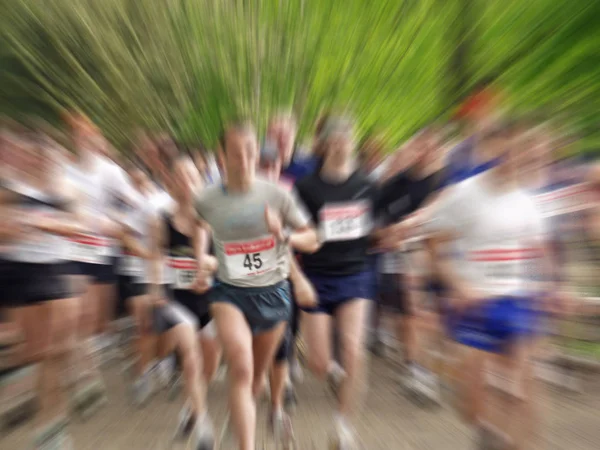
(536, 319)
(334, 291)
(263, 307)
(491, 326)
(375, 275)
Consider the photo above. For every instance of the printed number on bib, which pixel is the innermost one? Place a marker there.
(184, 272)
(250, 258)
(344, 222)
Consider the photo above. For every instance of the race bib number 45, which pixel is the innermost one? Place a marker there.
(345, 221)
(184, 272)
(250, 258)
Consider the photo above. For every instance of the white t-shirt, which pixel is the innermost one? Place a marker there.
(162, 203)
(498, 235)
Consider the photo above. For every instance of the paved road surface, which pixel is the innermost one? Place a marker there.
(388, 420)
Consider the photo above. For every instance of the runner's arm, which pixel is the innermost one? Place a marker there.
(10, 226)
(441, 230)
(304, 237)
(156, 260)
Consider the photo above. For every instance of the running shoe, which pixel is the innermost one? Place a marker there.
(335, 376)
(203, 435)
(54, 437)
(163, 371)
(377, 347)
(142, 389)
(289, 397)
(175, 385)
(488, 440)
(345, 438)
(281, 427)
(296, 372)
(186, 422)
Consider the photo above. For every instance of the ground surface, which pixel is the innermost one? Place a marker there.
(388, 419)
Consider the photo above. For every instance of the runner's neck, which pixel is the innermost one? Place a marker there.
(239, 185)
(336, 171)
(501, 178)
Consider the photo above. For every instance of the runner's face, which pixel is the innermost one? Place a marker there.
(283, 133)
(496, 147)
(240, 152)
(339, 145)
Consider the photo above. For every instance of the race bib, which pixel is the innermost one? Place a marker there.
(184, 272)
(245, 259)
(345, 221)
(89, 249)
(131, 266)
(503, 266)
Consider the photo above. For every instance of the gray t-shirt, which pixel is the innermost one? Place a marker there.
(248, 255)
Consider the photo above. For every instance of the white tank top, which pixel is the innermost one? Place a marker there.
(36, 246)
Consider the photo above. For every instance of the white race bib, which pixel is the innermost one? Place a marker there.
(245, 259)
(345, 221)
(184, 272)
(503, 266)
(131, 266)
(89, 249)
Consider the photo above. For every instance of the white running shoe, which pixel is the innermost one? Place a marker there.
(54, 437)
(281, 426)
(345, 437)
(142, 389)
(163, 371)
(185, 424)
(296, 372)
(335, 376)
(203, 434)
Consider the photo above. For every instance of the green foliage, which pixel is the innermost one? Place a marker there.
(186, 66)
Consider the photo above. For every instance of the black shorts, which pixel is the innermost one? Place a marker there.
(393, 294)
(166, 317)
(197, 304)
(128, 288)
(31, 283)
(100, 273)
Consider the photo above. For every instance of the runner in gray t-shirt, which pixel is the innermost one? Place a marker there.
(249, 254)
(251, 300)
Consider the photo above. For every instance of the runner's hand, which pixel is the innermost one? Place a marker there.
(202, 283)
(208, 264)
(304, 293)
(274, 224)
